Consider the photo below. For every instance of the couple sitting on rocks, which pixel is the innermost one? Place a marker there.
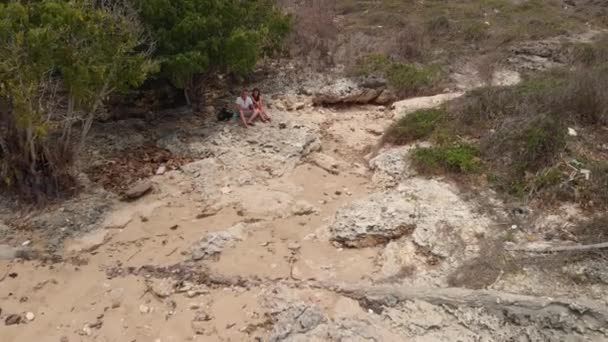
(251, 107)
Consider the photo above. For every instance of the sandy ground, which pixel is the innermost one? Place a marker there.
(100, 293)
(70, 299)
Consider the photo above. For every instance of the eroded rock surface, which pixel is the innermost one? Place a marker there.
(374, 220)
(214, 243)
(352, 91)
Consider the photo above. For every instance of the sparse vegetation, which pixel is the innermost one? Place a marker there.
(520, 134)
(454, 158)
(405, 78)
(414, 126)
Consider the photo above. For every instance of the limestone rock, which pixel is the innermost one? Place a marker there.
(375, 220)
(302, 208)
(390, 167)
(404, 107)
(327, 163)
(214, 243)
(162, 288)
(138, 190)
(385, 98)
(349, 91)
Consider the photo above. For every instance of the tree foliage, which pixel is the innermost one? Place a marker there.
(196, 38)
(58, 61)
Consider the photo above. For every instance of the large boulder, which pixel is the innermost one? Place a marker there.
(348, 91)
(373, 221)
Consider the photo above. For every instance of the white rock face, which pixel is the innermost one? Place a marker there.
(402, 108)
(246, 157)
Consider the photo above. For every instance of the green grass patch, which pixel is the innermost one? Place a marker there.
(456, 158)
(414, 126)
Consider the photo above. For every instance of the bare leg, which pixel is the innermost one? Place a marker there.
(254, 116)
(263, 114)
(243, 118)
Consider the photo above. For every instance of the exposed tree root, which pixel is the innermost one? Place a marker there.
(518, 308)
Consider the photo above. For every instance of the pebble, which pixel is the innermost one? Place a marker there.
(26, 243)
(86, 330)
(30, 316)
(144, 309)
(161, 170)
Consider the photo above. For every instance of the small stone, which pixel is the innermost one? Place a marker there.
(30, 316)
(64, 339)
(86, 330)
(299, 105)
(572, 132)
(138, 190)
(338, 192)
(26, 243)
(144, 309)
(13, 319)
(161, 170)
(264, 244)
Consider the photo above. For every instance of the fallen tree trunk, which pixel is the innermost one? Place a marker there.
(562, 313)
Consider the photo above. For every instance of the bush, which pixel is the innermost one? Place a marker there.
(591, 54)
(409, 79)
(414, 126)
(454, 158)
(406, 79)
(438, 25)
(197, 38)
(59, 61)
(542, 141)
(476, 32)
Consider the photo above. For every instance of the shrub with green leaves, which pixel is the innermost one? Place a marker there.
(59, 60)
(454, 158)
(414, 126)
(198, 38)
(407, 79)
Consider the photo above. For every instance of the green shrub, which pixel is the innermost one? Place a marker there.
(198, 38)
(476, 32)
(373, 65)
(590, 54)
(455, 158)
(410, 79)
(438, 24)
(59, 61)
(405, 78)
(542, 141)
(414, 126)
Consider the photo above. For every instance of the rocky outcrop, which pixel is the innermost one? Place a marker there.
(373, 221)
(241, 157)
(347, 91)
